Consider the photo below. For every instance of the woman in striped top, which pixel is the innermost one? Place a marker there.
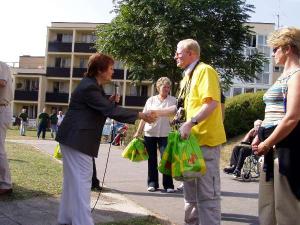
(279, 138)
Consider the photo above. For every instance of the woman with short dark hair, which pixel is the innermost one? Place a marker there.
(79, 137)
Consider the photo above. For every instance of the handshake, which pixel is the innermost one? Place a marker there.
(149, 116)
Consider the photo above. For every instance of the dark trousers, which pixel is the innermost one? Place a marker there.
(239, 154)
(42, 129)
(151, 144)
(95, 181)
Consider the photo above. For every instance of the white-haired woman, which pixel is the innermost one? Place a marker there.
(156, 134)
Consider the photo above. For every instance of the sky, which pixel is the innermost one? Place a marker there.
(24, 23)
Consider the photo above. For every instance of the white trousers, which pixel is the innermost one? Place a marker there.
(5, 119)
(202, 196)
(277, 204)
(76, 196)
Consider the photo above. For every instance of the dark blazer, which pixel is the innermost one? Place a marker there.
(82, 126)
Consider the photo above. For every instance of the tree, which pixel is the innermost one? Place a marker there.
(144, 35)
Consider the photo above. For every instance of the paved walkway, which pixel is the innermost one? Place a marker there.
(128, 196)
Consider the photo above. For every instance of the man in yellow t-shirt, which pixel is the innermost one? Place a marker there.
(204, 120)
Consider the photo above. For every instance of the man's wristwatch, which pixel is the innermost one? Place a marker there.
(194, 121)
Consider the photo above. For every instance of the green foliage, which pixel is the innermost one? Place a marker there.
(144, 35)
(241, 111)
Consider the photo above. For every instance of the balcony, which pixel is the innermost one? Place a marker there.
(135, 100)
(78, 72)
(26, 95)
(59, 47)
(85, 47)
(57, 72)
(118, 74)
(57, 97)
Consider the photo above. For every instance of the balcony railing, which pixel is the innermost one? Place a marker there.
(135, 100)
(59, 47)
(58, 72)
(57, 97)
(85, 47)
(78, 72)
(26, 95)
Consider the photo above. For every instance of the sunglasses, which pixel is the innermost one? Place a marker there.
(275, 49)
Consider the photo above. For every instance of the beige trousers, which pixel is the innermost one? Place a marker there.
(277, 204)
(202, 195)
(5, 119)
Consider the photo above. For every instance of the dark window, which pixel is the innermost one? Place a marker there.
(59, 37)
(144, 91)
(57, 62)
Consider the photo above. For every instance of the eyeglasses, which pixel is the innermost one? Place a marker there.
(275, 49)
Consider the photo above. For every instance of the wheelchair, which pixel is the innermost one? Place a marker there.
(251, 166)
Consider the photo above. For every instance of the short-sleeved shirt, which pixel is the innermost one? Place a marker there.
(23, 116)
(53, 118)
(43, 119)
(6, 93)
(205, 85)
(161, 127)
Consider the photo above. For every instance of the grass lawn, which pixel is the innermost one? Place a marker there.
(34, 174)
(13, 133)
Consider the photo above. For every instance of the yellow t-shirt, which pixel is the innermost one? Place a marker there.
(205, 85)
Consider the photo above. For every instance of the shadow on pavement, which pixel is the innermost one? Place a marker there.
(239, 195)
(245, 219)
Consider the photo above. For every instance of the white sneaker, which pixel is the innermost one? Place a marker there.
(180, 187)
(170, 190)
(151, 189)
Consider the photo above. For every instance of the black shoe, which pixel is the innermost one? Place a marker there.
(96, 188)
(237, 173)
(229, 170)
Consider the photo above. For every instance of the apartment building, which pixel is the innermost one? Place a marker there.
(258, 42)
(49, 82)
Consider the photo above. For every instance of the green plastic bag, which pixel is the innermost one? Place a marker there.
(136, 151)
(57, 153)
(183, 158)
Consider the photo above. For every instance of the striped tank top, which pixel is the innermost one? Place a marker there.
(275, 100)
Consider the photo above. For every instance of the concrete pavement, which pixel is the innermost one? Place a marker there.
(127, 181)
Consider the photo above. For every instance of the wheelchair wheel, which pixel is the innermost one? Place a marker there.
(247, 176)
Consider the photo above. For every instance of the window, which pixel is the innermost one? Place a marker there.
(67, 38)
(266, 67)
(61, 62)
(237, 91)
(144, 91)
(249, 90)
(59, 37)
(262, 78)
(252, 41)
(82, 63)
(55, 87)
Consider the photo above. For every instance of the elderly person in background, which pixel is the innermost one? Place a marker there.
(156, 134)
(279, 136)
(241, 151)
(79, 137)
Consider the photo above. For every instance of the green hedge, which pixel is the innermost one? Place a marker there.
(241, 111)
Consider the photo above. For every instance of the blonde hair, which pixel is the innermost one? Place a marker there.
(163, 81)
(190, 44)
(284, 37)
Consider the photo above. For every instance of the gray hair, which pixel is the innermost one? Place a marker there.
(190, 44)
(163, 81)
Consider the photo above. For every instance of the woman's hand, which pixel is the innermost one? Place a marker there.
(148, 117)
(136, 134)
(114, 98)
